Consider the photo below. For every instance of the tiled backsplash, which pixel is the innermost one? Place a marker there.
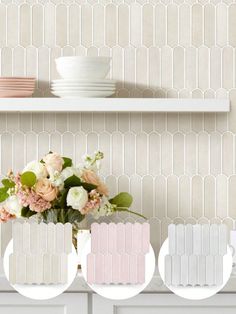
(179, 167)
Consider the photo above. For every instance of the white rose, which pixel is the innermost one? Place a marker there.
(77, 197)
(37, 168)
(13, 205)
(70, 171)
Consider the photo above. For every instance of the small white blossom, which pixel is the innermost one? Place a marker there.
(105, 209)
(13, 205)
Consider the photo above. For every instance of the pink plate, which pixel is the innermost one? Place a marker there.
(15, 93)
(7, 88)
(17, 78)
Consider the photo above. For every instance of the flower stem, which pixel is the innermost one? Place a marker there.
(125, 209)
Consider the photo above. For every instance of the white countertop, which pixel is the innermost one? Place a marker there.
(79, 284)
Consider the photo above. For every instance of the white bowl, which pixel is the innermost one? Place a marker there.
(82, 71)
(84, 60)
(83, 67)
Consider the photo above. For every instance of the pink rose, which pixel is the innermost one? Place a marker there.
(90, 176)
(46, 190)
(53, 162)
(5, 215)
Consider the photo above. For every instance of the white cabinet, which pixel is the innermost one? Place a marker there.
(165, 304)
(78, 303)
(68, 303)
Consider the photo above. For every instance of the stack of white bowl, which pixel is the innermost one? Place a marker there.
(83, 77)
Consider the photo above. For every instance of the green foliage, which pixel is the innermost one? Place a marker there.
(72, 181)
(50, 215)
(67, 162)
(62, 201)
(28, 178)
(3, 194)
(88, 186)
(26, 212)
(122, 203)
(8, 183)
(122, 199)
(76, 181)
(74, 215)
(62, 215)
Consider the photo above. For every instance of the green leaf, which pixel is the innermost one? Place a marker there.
(62, 215)
(28, 178)
(88, 186)
(26, 212)
(8, 183)
(123, 199)
(67, 162)
(72, 181)
(62, 201)
(3, 194)
(74, 215)
(124, 209)
(50, 215)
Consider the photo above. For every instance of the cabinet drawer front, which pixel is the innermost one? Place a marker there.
(67, 303)
(165, 304)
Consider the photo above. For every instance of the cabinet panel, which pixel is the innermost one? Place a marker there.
(172, 310)
(165, 304)
(36, 309)
(68, 303)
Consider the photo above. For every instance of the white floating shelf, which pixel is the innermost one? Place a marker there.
(113, 105)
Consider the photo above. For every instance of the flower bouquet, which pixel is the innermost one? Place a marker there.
(54, 190)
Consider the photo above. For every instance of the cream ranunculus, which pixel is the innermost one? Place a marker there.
(46, 190)
(37, 168)
(77, 197)
(53, 162)
(13, 205)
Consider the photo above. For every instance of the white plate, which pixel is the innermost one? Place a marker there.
(83, 85)
(82, 89)
(73, 94)
(87, 81)
(119, 292)
(195, 293)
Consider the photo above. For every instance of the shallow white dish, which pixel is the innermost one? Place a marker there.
(85, 94)
(82, 88)
(84, 81)
(53, 85)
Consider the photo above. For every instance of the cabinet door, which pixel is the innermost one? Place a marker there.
(68, 303)
(165, 304)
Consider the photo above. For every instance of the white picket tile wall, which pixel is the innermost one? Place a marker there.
(179, 167)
